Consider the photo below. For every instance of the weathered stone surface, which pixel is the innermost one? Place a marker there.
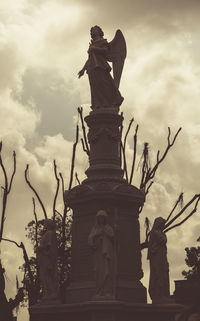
(187, 291)
(102, 242)
(106, 311)
(47, 261)
(105, 189)
(122, 205)
(104, 138)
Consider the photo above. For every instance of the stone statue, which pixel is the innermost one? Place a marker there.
(101, 240)
(47, 262)
(104, 88)
(159, 266)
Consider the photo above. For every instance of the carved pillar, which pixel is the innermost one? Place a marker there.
(104, 139)
(106, 189)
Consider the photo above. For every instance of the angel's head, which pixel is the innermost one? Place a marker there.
(96, 32)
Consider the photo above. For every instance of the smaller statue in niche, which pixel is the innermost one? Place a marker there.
(159, 266)
(47, 262)
(101, 240)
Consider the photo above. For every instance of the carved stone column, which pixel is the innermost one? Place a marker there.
(104, 139)
(106, 189)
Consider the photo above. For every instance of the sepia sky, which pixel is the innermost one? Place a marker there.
(43, 45)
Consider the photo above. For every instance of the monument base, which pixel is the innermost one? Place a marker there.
(128, 292)
(105, 311)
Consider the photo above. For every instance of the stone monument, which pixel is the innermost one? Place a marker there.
(105, 187)
(106, 256)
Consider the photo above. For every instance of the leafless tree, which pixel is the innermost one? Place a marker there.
(191, 206)
(65, 239)
(84, 140)
(6, 188)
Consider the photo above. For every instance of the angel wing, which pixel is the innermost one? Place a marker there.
(117, 55)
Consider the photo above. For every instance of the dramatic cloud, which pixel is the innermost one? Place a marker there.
(43, 45)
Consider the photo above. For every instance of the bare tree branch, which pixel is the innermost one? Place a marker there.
(59, 214)
(83, 146)
(127, 132)
(144, 245)
(26, 259)
(123, 145)
(14, 171)
(134, 154)
(177, 202)
(63, 187)
(6, 188)
(33, 189)
(73, 158)
(11, 241)
(168, 226)
(5, 195)
(186, 218)
(151, 173)
(85, 141)
(196, 197)
(145, 166)
(57, 189)
(36, 222)
(76, 176)
(182, 210)
(148, 188)
(170, 144)
(124, 162)
(145, 192)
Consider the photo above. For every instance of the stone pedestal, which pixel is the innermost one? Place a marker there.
(186, 291)
(121, 202)
(106, 189)
(106, 311)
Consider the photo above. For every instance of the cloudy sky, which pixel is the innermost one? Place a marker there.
(43, 44)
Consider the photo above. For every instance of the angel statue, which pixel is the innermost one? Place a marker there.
(104, 88)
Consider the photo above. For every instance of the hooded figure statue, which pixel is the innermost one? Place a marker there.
(101, 240)
(47, 261)
(159, 266)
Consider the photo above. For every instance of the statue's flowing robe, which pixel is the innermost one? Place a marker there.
(104, 93)
(102, 243)
(47, 261)
(159, 266)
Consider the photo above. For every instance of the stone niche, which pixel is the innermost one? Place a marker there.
(121, 202)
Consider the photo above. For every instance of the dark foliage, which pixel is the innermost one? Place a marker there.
(64, 257)
(193, 262)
